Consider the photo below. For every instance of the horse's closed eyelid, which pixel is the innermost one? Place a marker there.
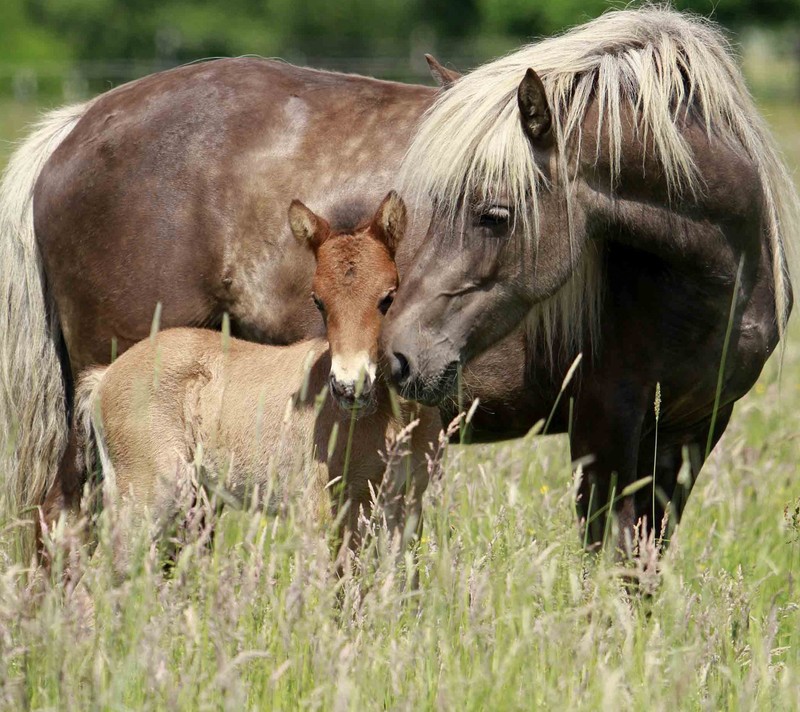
(494, 215)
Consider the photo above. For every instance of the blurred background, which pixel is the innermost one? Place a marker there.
(56, 51)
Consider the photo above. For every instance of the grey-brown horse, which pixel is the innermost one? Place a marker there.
(626, 197)
(629, 200)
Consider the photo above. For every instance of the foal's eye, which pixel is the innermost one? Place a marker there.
(386, 301)
(494, 215)
(318, 303)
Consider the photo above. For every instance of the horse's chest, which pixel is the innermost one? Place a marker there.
(670, 327)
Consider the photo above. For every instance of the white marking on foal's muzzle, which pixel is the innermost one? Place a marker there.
(351, 370)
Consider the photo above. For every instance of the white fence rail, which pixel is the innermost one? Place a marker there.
(771, 62)
(75, 81)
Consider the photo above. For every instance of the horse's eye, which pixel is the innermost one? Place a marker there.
(386, 301)
(318, 303)
(493, 216)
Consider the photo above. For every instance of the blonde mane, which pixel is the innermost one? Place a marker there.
(653, 60)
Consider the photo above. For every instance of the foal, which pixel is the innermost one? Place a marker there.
(251, 414)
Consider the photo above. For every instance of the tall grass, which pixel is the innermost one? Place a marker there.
(510, 614)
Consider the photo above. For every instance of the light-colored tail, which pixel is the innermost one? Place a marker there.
(87, 422)
(33, 425)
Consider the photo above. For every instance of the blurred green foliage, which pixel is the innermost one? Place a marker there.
(177, 30)
(22, 39)
(65, 50)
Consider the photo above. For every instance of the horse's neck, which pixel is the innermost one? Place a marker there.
(629, 199)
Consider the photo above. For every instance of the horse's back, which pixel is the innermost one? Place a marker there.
(174, 189)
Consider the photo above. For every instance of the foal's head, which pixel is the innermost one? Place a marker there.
(354, 286)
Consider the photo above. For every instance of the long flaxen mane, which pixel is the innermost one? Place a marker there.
(654, 61)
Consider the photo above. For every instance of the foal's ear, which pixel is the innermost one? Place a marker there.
(533, 107)
(389, 223)
(443, 76)
(307, 227)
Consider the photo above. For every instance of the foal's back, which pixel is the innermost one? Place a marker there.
(186, 396)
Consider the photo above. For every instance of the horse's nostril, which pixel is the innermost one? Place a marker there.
(401, 370)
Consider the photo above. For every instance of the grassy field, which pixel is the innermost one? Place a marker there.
(511, 613)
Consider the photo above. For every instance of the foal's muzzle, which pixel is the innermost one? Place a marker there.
(353, 395)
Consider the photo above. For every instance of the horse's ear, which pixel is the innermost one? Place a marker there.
(309, 228)
(389, 223)
(533, 107)
(443, 76)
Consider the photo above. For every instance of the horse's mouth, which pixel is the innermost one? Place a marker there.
(431, 391)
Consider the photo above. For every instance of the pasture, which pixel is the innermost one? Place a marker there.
(511, 613)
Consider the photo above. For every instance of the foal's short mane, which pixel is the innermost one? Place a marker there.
(654, 60)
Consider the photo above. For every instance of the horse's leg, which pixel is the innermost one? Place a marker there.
(605, 435)
(400, 505)
(65, 492)
(64, 495)
(678, 460)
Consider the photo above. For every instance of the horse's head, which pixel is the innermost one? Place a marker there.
(497, 244)
(354, 286)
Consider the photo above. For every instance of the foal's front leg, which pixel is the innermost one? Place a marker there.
(404, 485)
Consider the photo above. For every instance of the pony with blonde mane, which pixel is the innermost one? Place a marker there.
(606, 192)
(616, 188)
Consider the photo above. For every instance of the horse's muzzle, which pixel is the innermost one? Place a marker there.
(428, 389)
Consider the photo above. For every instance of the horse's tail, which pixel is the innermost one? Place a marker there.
(33, 421)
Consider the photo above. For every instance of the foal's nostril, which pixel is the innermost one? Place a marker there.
(401, 370)
(345, 391)
(364, 388)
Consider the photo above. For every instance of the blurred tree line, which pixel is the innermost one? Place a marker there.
(172, 31)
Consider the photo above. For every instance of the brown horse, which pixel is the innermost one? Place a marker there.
(631, 173)
(186, 399)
